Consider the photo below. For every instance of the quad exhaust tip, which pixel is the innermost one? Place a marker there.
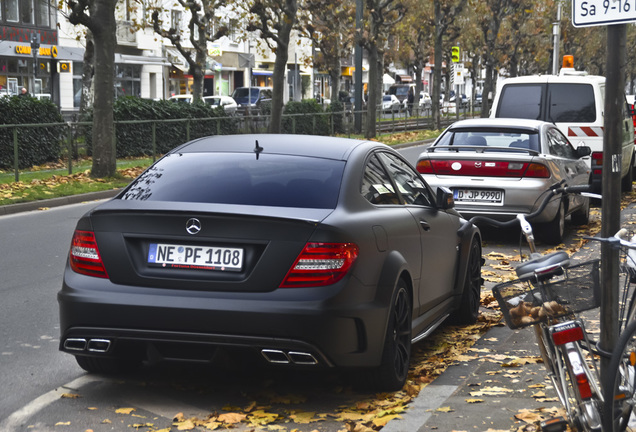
(289, 357)
(90, 345)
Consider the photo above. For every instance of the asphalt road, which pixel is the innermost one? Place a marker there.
(34, 374)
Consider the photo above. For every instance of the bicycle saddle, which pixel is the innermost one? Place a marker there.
(543, 267)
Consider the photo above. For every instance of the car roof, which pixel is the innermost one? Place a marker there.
(297, 145)
(499, 122)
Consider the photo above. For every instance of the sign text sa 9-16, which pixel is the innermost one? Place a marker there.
(602, 12)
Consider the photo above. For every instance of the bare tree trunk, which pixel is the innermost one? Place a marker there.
(372, 103)
(104, 154)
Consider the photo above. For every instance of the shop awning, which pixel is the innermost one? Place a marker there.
(404, 78)
(262, 72)
(141, 60)
(386, 79)
(177, 60)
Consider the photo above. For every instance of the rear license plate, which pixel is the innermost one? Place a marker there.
(479, 196)
(195, 257)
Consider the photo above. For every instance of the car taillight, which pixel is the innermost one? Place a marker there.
(537, 171)
(321, 264)
(84, 255)
(483, 168)
(424, 166)
(597, 162)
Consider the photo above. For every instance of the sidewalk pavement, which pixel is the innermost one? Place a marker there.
(500, 385)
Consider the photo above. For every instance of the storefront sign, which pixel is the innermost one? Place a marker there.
(64, 67)
(42, 52)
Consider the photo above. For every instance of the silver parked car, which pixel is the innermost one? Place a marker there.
(500, 167)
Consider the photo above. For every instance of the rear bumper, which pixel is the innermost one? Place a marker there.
(338, 325)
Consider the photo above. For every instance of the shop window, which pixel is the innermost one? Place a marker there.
(12, 11)
(128, 80)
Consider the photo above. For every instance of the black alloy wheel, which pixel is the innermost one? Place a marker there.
(468, 310)
(396, 358)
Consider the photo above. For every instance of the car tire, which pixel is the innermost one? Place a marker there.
(627, 181)
(468, 310)
(396, 356)
(582, 215)
(552, 232)
(107, 365)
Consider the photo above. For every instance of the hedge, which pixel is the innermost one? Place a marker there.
(135, 139)
(36, 145)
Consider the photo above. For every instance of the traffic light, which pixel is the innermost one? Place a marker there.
(455, 54)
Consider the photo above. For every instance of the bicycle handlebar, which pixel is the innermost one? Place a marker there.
(555, 189)
(616, 241)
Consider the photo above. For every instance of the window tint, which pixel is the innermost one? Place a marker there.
(376, 184)
(230, 178)
(559, 145)
(492, 137)
(409, 183)
(573, 103)
(521, 101)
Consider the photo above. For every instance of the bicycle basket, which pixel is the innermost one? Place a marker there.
(524, 303)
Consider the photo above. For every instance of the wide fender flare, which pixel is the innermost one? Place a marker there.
(395, 266)
(465, 236)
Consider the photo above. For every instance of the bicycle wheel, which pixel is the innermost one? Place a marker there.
(620, 384)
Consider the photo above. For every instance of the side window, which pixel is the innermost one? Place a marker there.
(521, 101)
(559, 145)
(376, 184)
(409, 183)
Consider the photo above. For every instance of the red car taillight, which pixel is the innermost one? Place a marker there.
(424, 166)
(84, 256)
(597, 162)
(483, 168)
(321, 264)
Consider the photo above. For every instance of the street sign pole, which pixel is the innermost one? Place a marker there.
(612, 152)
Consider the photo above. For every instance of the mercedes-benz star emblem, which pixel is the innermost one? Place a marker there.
(193, 226)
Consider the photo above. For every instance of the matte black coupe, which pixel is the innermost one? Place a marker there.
(306, 251)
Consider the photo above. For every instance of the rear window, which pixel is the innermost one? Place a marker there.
(237, 178)
(521, 101)
(572, 103)
(554, 102)
(490, 138)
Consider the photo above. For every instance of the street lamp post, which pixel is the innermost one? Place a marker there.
(35, 46)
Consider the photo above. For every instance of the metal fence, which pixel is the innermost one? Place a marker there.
(21, 144)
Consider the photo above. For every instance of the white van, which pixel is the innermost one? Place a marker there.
(574, 101)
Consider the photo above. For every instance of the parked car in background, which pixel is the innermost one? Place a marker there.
(184, 98)
(501, 167)
(390, 104)
(299, 251)
(425, 100)
(575, 102)
(226, 102)
(400, 91)
(251, 99)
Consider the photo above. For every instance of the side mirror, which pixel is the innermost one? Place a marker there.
(582, 151)
(445, 198)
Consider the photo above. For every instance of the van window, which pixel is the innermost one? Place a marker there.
(567, 103)
(571, 103)
(521, 101)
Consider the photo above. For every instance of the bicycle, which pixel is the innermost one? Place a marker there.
(547, 294)
(619, 383)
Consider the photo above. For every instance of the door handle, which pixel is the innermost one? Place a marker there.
(425, 226)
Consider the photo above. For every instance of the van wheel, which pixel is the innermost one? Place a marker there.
(552, 232)
(626, 182)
